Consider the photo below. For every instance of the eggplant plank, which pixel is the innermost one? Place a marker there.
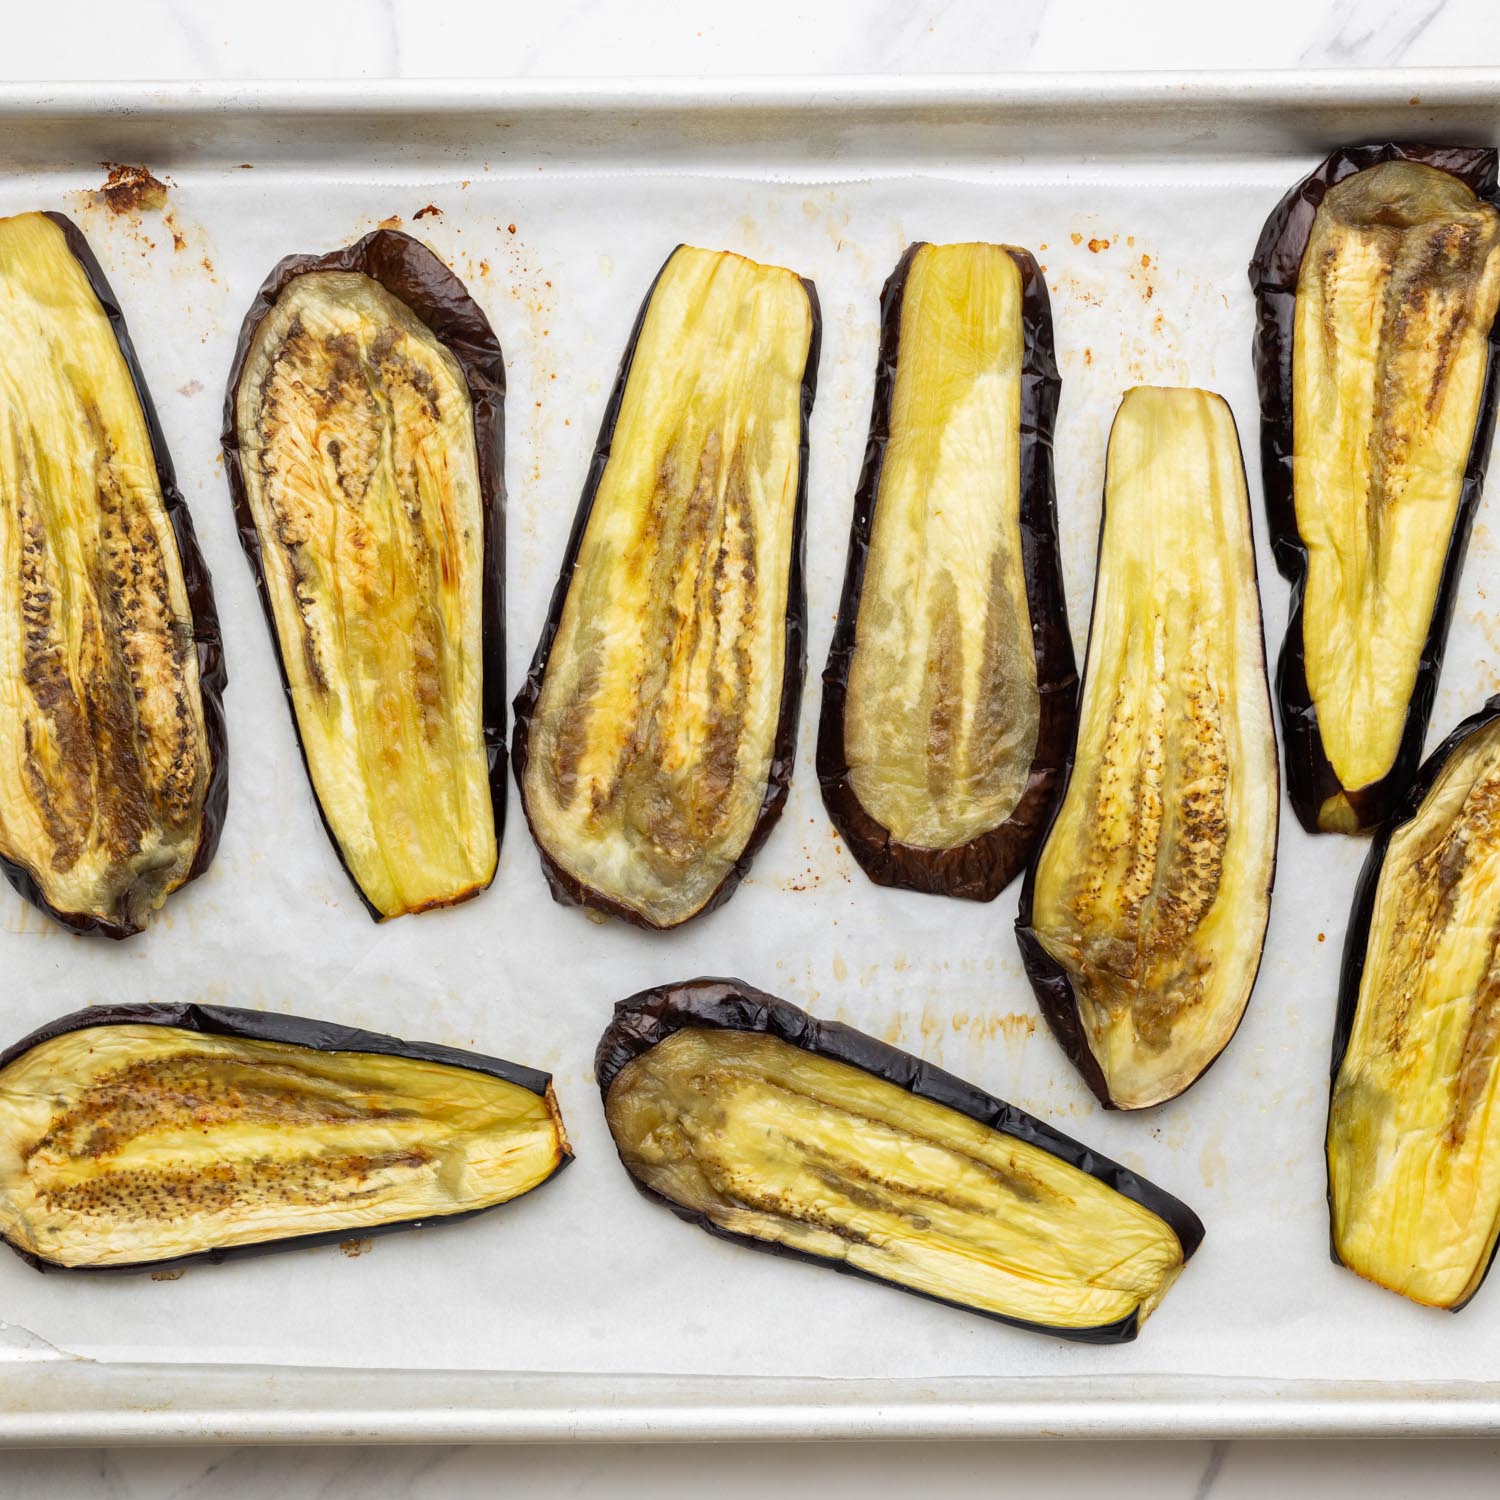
(748, 1117)
(112, 740)
(656, 730)
(1143, 918)
(950, 690)
(1414, 1116)
(1376, 281)
(363, 441)
(138, 1135)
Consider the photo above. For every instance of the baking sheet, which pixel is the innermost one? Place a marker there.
(1145, 258)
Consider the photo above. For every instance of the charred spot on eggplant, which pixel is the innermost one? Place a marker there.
(748, 1117)
(1377, 280)
(655, 733)
(114, 778)
(950, 690)
(136, 1135)
(363, 441)
(1413, 1123)
(1143, 917)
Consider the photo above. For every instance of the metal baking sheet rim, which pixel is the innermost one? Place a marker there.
(51, 1398)
(63, 1402)
(945, 117)
(1254, 90)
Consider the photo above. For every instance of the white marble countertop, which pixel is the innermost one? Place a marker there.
(91, 39)
(179, 39)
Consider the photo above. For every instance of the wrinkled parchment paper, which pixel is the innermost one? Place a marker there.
(1147, 275)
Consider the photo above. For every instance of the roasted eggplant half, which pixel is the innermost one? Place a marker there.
(1143, 916)
(1414, 1116)
(950, 692)
(656, 731)
(113, 769)
(748, 1117)
(135, 1135)
(363, 439)
(1376, 283)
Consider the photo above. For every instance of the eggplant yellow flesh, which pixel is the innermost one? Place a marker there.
(748, 1117)
(111, 736)
(1398, 291)
(1377, 281)
(132, 1142)
(1414, 1119)
(942, 714)
(654, 736)
(358, 463)
(951, 685)
(1144, 915)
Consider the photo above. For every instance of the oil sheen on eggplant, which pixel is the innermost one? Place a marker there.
(355, 432)
(748, 1117)
(1414, 1118)
(1391, 405)
(111, 744)
(1143, 917)
(951, 684)
(130, 1143)
(654, 737)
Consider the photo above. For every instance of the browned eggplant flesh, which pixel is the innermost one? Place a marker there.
(1414, 1120)
(746, 1116)
(130, 1142)
(111, 743)
(654, 737)
(1145, 913)
(353, 433)
(951, 683)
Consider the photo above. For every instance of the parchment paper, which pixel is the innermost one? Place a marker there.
(1147, 275)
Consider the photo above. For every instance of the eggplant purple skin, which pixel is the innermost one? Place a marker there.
(415, 275)
(1357, 935)
(567, 889)
(981, 868)
(1274, 270)
(1050, 982)
(650, 1017)
(213, 677)
(297, 1031)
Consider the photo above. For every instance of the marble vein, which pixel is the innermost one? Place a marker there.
(1358, 33)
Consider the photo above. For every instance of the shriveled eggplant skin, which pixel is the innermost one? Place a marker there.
(134, 1136)
(364, 442)
(763, 1181)
(1411, 383)
(656, 730)
(1143, 916)
(940, 746)
(1413, 1125)
(109, 639)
